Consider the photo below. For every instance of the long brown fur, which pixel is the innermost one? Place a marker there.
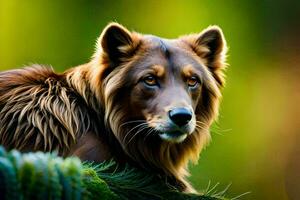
(86, 111)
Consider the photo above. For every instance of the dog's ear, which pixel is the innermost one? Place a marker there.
(117, 43)
(210, 45)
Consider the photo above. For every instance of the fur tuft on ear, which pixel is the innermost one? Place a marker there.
(210, 45)
(116, 43)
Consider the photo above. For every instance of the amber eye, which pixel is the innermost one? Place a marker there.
(192, 81)
(150, 80)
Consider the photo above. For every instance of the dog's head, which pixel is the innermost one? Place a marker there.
(160, 96)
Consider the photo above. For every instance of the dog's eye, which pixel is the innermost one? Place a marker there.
(192, 81)
(150, 80)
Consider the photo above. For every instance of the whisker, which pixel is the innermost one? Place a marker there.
(216, 129)
(197, 121)
(202, 127)
(225, 130)
(128, 133)
(206, 128)
(133, 121)
(139, 130)
(216, 132)
(147, 133)
(139, 125)
(151, 130)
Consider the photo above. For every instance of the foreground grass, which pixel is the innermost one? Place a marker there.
(46, 176)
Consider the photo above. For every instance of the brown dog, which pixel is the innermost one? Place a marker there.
(141, 100)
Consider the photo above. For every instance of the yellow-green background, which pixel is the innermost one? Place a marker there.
(255, 142)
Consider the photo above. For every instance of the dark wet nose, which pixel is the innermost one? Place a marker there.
(180, 116)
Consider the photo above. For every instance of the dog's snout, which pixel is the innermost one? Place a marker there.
(180, 116)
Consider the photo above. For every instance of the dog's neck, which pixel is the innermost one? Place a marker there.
(82, 79)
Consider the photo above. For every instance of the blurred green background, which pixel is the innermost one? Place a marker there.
(255, 144)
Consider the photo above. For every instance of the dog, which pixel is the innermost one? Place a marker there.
(142, 100)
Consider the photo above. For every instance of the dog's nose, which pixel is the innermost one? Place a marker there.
(180, 116)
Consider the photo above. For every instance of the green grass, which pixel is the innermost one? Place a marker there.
(47, 176)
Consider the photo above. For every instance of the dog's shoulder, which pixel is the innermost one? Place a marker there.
(38, 110)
